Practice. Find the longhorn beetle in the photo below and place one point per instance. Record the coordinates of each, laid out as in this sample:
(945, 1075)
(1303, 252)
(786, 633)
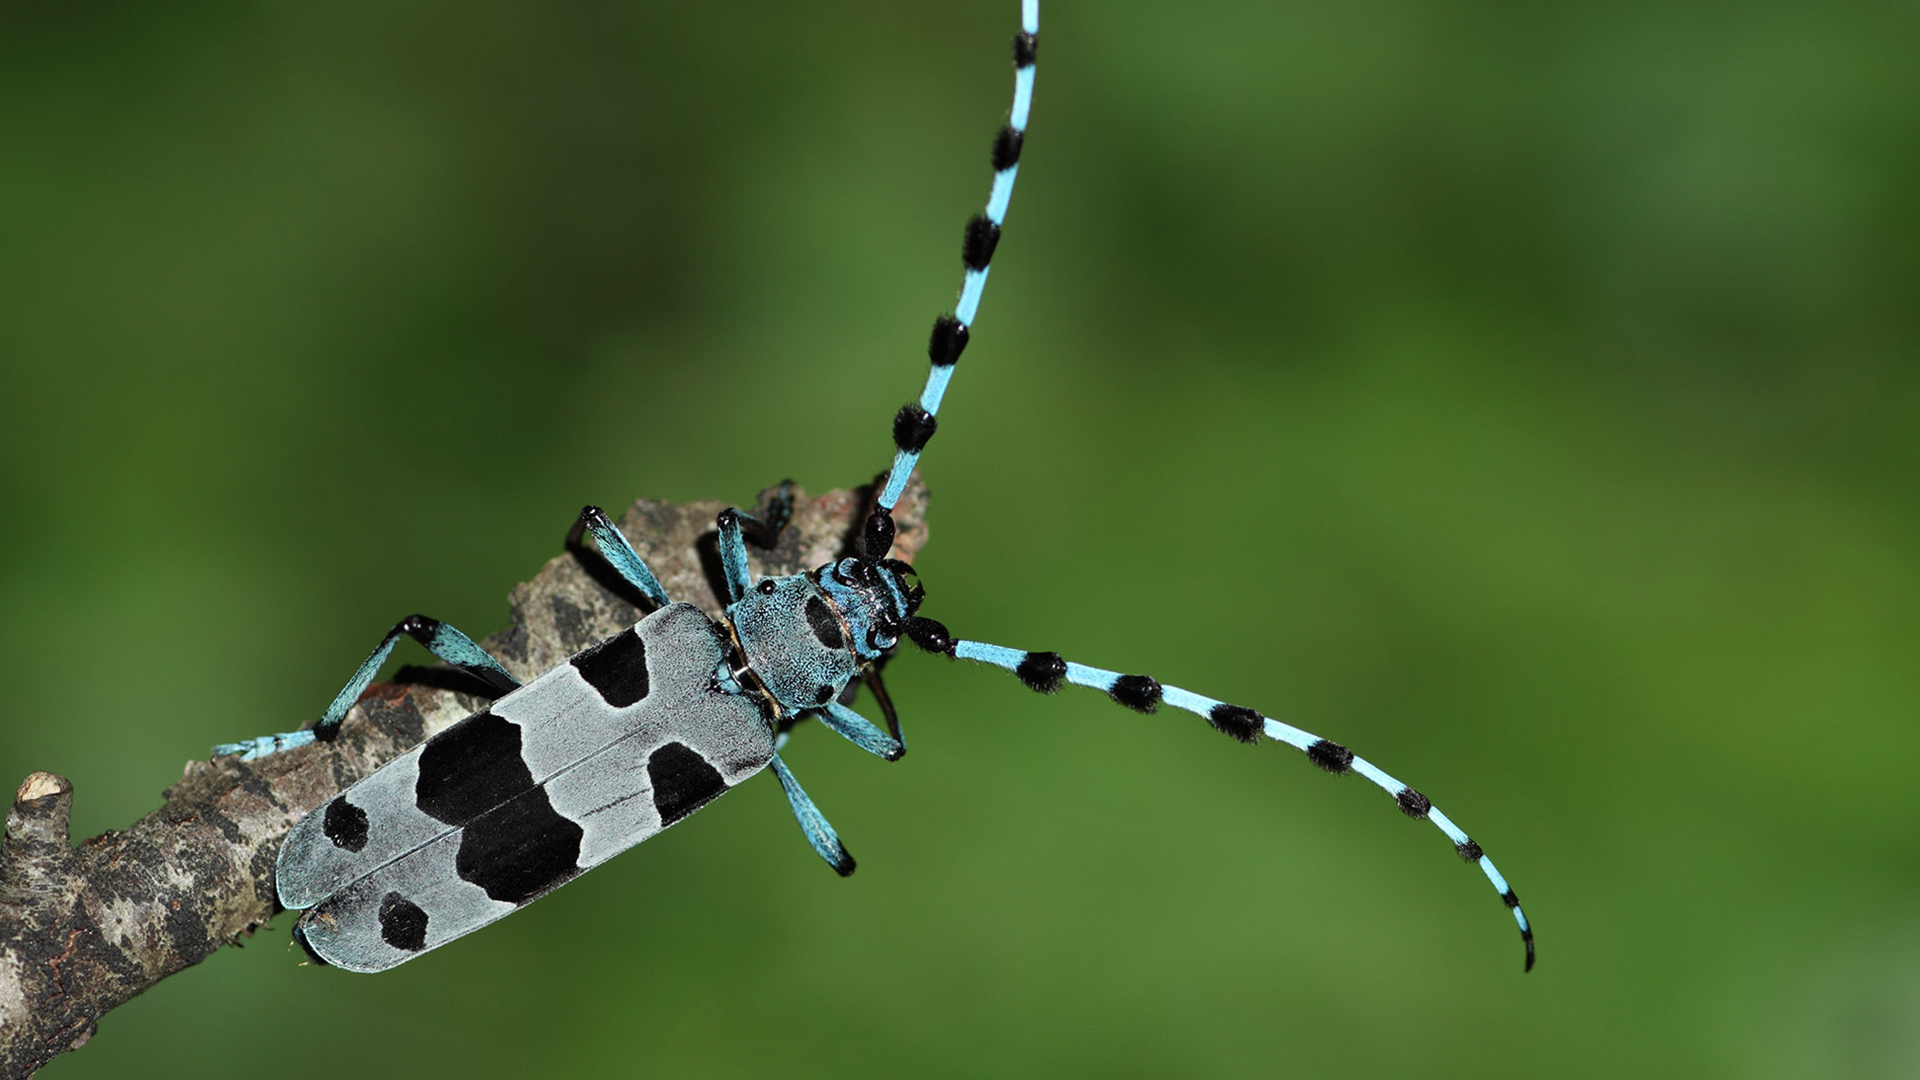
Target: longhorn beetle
(642, 729)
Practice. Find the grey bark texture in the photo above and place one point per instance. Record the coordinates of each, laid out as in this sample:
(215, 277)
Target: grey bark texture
(84, 929)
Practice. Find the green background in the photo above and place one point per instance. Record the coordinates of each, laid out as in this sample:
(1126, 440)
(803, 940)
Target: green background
(1523, 395)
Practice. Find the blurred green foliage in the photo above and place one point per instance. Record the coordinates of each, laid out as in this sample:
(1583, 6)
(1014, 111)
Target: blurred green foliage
(1521, 394)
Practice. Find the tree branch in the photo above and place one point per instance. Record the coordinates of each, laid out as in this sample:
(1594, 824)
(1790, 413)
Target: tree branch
(84, 929)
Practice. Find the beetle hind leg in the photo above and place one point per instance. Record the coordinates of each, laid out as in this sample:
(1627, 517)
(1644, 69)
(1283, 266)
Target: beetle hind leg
(440, 639)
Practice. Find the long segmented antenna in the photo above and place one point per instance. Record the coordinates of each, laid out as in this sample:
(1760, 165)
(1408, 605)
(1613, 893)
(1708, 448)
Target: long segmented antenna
(1045, 671)
(914, 424)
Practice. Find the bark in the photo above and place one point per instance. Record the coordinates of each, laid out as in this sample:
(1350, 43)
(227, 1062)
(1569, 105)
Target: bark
(84, 929)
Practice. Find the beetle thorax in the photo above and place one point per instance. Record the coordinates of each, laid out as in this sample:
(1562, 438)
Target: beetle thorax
(805, 636)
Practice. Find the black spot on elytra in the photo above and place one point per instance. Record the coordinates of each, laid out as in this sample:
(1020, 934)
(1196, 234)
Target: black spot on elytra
(403, 924)
(520, 849)
(912, 427)
(1330, 756)
(470, 768)
(1042, 671)
(1469, 850)
(976, 249)
(1412, 803)
(617, 668)
(682, 781)
(1137, 692)
(825, 626)
(948, 342)
(345, 825)
(1236, 722)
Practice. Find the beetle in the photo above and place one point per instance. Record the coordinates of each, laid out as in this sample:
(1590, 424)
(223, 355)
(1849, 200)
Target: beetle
(641, 730)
